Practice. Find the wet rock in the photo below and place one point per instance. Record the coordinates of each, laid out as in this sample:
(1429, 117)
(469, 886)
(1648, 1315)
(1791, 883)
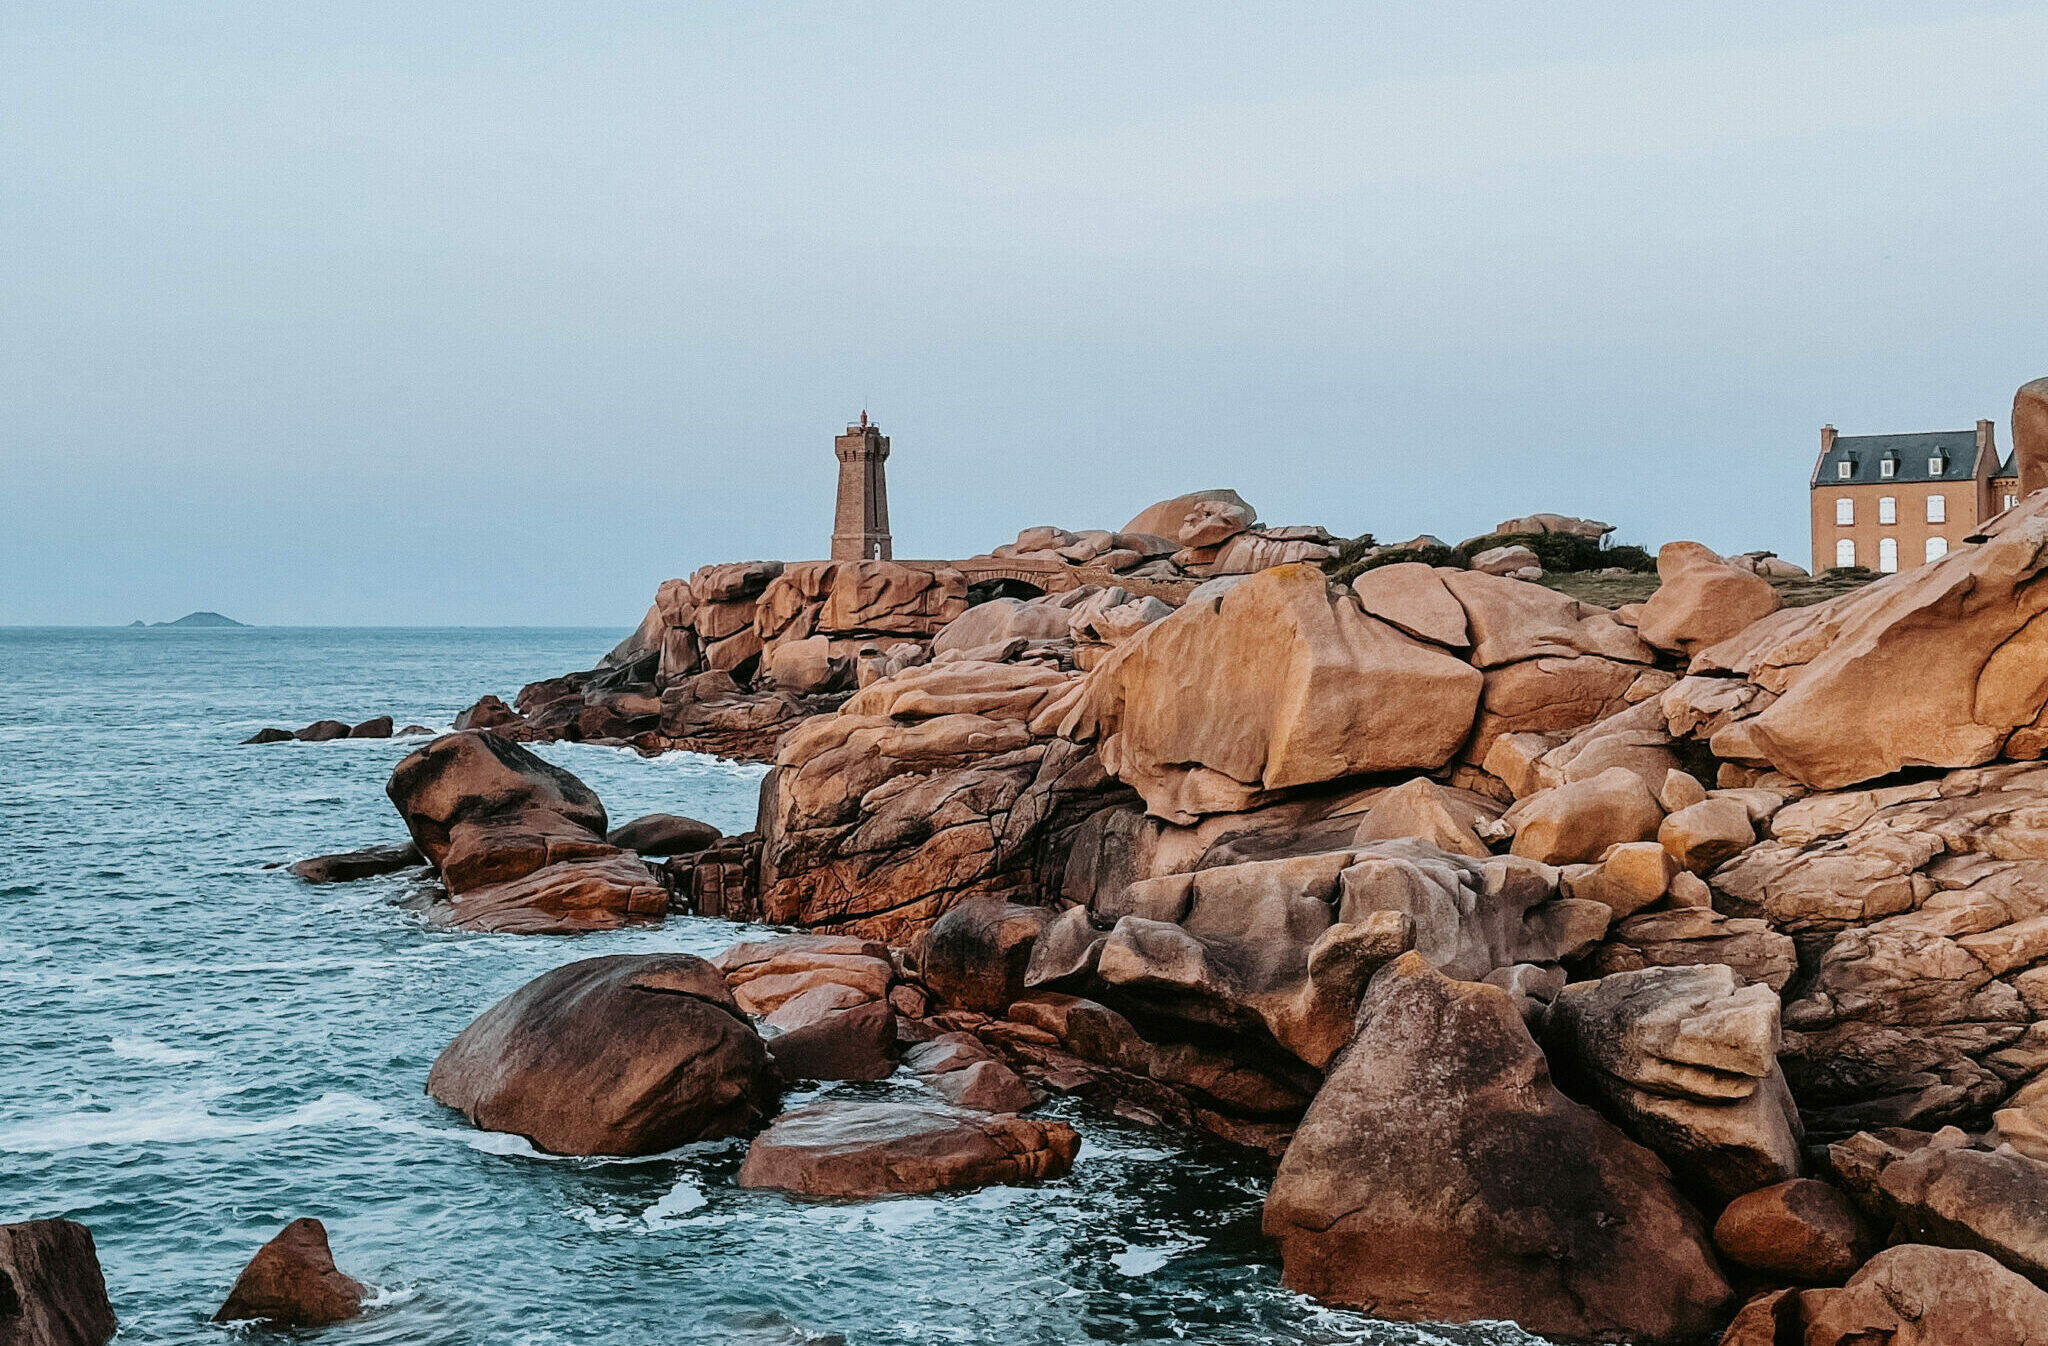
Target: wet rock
(413, 731)
(770, 974)
(52, 1292)
(629, 1054)
(1914, 1295)
(377, 727)
(347, 866)
(858, 1043)
(1801, 1229)
(1439, 1176)
(984, 1086)
(876, 1149)
(488, 713)
(1685, 1059)
(292, 1282)
(664, 834)
(269, 736)
(322, 731)
(974, 957)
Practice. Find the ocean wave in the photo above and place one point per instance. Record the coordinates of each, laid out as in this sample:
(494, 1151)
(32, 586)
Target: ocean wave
(172, 1121)
(156, 1053)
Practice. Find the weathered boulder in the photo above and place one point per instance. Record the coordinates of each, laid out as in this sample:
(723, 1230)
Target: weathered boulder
(1627, 878)
(809, 666)
(1517, 561)
(767, 975)
(628, 1054)
(1590, 529)
(1414, 598)
(1003, 619)
(292, 1282)
(488, 713)
(1164, 519)
(1685, 936)
(1439, 1176)
(1701, 600)
(271, 735)
(1994, 1202)
(1282, 682)
(1937, 666)
(876, 1149)
(1210, 522)
(1915, 1295)
(1250, 552)
(322, 731)
(379, 726)
(519, 843)
(348, 866)
(1801, 1229)
(1701, 836)
(1685, 1059)
(858, 598)
(52, 1292)
(664, 834)
(857, 1043)
(2030, 435)
(1511, 622)
(974, 956)
(1577, 823)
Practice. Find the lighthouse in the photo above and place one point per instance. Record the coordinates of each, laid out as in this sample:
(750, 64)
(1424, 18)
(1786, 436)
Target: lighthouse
(860, 524)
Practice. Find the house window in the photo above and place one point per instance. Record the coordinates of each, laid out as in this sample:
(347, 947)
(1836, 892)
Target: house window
(1937, 509)
(1887, 555)
(1845, 553)
(1844, 468)
(1888, 468)
(1887, 509)
(1936, 465)
(1845, 510)
(1937, 547)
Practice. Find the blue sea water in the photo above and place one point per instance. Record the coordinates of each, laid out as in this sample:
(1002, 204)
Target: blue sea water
(195, 1048)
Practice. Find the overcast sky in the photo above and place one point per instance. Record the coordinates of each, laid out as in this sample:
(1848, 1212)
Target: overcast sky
(502, 313)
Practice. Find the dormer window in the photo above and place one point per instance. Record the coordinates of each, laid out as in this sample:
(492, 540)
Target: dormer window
(1936, 465)
(1845, 469)
(1889, 467)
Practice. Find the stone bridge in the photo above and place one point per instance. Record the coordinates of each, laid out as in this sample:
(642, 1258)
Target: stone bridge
(1057, 577)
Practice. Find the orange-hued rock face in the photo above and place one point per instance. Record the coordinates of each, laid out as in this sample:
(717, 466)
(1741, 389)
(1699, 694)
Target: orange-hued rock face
(1701, 599)
(1945, 665)
(2030, 435)
(1440, 1176)
(1283, 681)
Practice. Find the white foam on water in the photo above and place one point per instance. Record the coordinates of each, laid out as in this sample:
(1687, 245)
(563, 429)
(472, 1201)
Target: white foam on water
(135, 1048)
(668, 1212)
(172, 1121)
(1142, 1259)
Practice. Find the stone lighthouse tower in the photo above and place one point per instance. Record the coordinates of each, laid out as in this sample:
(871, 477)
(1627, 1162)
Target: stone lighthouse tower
(860, 526)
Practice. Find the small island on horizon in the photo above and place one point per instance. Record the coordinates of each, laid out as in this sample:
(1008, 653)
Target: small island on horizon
(194, 619)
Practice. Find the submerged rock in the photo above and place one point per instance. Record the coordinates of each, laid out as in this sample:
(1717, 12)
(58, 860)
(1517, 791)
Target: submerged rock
(52, 1292)
(292, 1282)
(348, 866)
(628, 1054)
(1439, 1176)
(876, 1149)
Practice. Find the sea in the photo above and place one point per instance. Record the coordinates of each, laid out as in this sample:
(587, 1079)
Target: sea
(196, 1048)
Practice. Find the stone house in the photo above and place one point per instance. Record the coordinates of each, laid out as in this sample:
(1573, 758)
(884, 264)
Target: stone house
(1892, 502)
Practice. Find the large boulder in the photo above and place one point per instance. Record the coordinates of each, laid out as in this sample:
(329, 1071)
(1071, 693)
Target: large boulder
(876, 1149)
(1282, 682)
(519, 842)
(2030, 435)
(1994, 1202)
(1000, 620)
(664, 834)
(974, 956)
(1576, 823)
(1914, 1295)
(858, 598)
(1211, 522)
(1701, 600)
(627, 1054)
(1801, 1229)
(1941, 666)
(1685, 1059)
(292, 1282)
(52, 1292)
(1440, 1176)
(1165, 518)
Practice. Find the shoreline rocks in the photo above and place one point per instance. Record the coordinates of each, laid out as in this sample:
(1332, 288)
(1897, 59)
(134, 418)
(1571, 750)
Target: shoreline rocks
(52, 1292)
(292, 1282)
(845, 1150)
(628, 1054)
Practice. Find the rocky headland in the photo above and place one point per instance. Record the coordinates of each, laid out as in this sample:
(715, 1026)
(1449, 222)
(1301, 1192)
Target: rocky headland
(1644, 974)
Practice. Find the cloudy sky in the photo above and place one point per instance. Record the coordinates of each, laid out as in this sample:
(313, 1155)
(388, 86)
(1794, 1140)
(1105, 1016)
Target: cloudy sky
(501, 313)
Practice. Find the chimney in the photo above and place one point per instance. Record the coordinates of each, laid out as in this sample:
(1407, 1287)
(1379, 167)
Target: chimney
(1827, 439)
(1987, 442)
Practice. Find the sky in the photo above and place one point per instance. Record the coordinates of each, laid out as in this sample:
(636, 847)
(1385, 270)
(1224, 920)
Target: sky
(500, 314)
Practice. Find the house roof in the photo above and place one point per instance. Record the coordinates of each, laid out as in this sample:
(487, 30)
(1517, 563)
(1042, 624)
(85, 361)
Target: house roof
(1912, 453)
